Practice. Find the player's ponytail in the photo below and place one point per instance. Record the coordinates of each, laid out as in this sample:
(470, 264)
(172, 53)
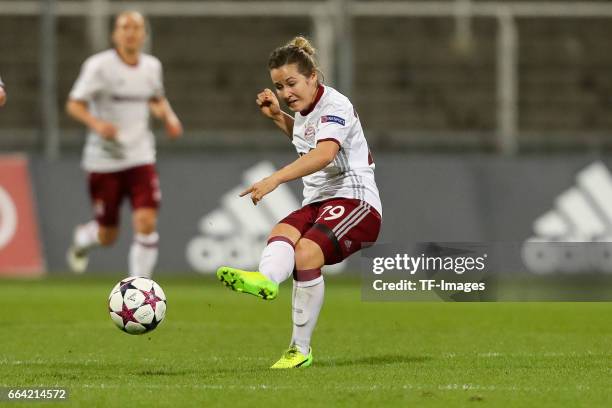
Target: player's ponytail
(297, 51)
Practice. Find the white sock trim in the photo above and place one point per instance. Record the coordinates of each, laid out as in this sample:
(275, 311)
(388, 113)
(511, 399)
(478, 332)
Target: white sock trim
(151, 239)
(307, 284)
(282, 243)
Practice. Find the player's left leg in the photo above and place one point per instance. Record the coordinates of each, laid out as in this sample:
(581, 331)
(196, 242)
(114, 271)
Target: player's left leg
(143, 186)
(143, 251)
(307, 300)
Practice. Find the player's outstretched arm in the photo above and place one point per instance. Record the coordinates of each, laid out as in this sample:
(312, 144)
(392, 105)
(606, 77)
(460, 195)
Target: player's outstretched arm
(79, 111)
(2, 96)
(269, 106)
(309, 163)
(162, 110)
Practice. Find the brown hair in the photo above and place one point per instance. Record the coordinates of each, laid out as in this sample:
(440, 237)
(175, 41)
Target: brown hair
(297, 51)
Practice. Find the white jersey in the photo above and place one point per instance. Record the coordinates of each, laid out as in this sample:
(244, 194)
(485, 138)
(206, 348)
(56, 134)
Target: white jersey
(351, 173)
(119, 93)
(1, 83)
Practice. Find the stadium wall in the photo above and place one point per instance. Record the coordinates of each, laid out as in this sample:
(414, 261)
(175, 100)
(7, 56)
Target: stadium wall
(203, 222)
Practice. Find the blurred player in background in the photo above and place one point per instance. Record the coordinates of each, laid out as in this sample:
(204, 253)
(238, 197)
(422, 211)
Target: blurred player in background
(113, 96)
(2, 93)
(342, 209)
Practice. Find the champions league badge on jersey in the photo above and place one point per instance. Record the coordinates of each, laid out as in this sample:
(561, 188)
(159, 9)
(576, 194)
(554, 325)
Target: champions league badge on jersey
(332, 118)
(309, 133)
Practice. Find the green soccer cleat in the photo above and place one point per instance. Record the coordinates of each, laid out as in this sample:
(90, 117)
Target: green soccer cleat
(292, 358)
(248, 282)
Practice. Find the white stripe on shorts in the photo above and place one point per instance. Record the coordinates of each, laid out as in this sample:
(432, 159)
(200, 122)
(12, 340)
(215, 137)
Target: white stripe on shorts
(347, 228)
(350, 216)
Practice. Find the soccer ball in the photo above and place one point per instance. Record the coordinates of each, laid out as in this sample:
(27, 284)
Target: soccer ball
(137, 305)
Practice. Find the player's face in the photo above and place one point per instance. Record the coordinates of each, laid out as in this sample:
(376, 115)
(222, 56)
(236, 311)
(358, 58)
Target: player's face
(298, 91)
(129, 33)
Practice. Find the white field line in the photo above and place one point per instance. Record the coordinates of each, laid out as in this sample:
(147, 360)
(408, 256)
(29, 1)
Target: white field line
(337, 387)
(347, 387)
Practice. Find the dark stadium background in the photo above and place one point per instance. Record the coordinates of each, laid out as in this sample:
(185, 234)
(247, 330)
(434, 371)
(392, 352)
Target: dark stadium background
(479, 115)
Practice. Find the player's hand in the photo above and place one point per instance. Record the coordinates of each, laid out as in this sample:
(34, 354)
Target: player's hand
(106, 130)
(2, 96)
(260, 189)
(174, 128)
(268, 104)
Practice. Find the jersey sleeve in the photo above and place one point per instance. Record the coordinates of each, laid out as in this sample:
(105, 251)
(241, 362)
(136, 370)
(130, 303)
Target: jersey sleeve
(89, 82)
(334, 125)
(1, 83)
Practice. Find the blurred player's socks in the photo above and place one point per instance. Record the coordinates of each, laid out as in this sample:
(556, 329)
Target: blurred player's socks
(86, 236)
(143, 254)
(277, 259)
(307, 301)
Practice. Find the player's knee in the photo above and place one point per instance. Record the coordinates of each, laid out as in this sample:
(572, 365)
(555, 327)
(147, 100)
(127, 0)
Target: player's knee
(146, 227)
(308, 255)
(285, 230)
(145, 222)
(107, 236)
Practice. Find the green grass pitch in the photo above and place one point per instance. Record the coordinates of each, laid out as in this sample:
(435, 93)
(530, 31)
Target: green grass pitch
(215, 347)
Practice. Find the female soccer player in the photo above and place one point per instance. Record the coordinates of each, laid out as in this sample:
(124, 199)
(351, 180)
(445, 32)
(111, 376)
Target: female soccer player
(113, 96)
(341, 208)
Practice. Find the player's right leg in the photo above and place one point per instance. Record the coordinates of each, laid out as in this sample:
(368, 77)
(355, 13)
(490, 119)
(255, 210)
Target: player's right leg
(105, 193)
(253, 283)
(276, 265)
(85, 238)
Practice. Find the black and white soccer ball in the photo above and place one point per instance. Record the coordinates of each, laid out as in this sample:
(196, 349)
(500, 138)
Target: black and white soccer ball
(137, 305)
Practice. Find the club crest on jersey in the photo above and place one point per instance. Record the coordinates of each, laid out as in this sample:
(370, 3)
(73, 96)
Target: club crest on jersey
(309, 133)
(332, 118)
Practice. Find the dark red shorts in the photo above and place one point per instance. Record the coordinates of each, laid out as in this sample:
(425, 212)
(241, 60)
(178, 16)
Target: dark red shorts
(340, 226)
(107, 191)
